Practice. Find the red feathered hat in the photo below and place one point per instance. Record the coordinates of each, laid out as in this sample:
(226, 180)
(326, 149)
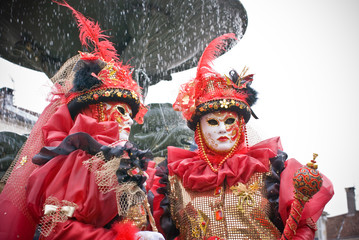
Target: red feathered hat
(99, 76)
(210, 91)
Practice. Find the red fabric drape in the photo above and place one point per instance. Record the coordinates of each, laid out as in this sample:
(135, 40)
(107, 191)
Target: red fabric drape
(197, 175)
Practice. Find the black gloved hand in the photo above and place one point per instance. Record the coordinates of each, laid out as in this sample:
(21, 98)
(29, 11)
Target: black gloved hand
(110, 152)
(131, 168)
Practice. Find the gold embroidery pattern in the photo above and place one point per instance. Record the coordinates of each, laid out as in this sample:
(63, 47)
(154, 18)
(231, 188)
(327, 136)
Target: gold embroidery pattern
(199, 224)
(22, 162)
(245, 195)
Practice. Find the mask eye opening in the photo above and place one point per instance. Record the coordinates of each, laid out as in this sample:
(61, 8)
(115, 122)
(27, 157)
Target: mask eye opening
(212, 122)
(230, 121)
(121, 110)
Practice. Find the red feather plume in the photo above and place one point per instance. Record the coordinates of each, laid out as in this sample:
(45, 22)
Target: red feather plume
(91, 33)
(211, 52)
(205, 71)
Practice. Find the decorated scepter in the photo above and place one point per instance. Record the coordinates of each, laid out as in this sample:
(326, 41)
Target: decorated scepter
(307, 182)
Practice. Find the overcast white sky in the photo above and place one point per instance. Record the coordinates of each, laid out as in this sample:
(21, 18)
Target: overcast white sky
(305, 57)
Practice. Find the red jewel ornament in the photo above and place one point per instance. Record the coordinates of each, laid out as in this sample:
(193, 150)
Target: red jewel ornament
(135, 171)
(214, 238)
(143, 211)
(95, 96)
(218, 190)
(219, 215)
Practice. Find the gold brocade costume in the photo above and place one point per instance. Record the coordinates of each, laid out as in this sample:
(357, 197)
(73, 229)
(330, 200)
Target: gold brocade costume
(237, 212)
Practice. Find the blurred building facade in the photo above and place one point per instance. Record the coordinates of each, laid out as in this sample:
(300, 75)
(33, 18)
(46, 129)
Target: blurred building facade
(12, 118)
(345, 226)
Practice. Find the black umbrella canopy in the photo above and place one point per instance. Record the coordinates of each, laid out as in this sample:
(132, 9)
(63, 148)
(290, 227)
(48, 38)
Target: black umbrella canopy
(155, 37)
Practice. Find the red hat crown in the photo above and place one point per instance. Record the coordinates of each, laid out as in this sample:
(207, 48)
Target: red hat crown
(210, 91)
(100, 75)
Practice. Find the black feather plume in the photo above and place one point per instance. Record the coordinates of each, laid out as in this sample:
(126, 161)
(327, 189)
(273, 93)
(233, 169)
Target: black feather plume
(252, 96)
(84, 80)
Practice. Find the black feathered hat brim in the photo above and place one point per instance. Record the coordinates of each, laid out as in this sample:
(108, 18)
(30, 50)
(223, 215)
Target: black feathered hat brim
(104, 95)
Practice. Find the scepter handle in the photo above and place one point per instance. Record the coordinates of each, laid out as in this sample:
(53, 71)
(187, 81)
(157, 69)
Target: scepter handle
(307, 182)
(293, 219)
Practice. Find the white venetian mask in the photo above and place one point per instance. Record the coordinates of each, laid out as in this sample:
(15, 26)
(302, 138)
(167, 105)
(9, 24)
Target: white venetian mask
(220, 130)
(121, 113)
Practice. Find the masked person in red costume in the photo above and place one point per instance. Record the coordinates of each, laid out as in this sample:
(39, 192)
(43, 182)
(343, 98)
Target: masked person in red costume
(226, 189)
(77, 176)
